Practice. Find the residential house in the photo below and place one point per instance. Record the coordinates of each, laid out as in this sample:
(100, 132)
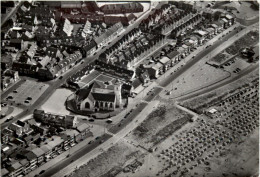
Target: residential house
(4, 171)
(130, 7)
(32, 158)
(166, 62)
(127, 90)
(155, 70)
(111, 33)
(26, 166)
(25, 126)
(47, 152)
(137, 86)
(174, 56)
(74, 136)
(39, 154)
(20, 143)
(84, 131)
(90, 48)
(18, 130)
(6, 135)
(15, 169)
(56, 144)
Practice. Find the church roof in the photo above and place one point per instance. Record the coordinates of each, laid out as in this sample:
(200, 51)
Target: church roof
(104, 97)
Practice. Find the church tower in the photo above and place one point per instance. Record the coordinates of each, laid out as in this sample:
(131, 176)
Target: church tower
(117, 90)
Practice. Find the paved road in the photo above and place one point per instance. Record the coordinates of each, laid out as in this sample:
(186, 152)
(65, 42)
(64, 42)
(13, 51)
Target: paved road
(129, 118)
(13, 11)
(150, 96)
(74, 157)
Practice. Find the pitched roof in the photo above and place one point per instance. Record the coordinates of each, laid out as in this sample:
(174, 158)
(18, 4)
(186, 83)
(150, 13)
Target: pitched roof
(30, 156)
(164, 60)
(104, 97)
(136, 83)
(82, 127)
(56, 141)
(45, 148)
(38, 152)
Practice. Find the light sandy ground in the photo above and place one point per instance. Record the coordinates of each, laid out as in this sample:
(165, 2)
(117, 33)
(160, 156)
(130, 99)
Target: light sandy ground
(239, 63)
(56, 103)
(115, 156)
(154, 124)
(234, 85)
(198, 77)
(245, 11)
(241, 160)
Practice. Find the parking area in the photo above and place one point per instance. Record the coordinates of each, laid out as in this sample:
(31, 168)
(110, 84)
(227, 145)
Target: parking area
(27, 93)
(236, 65)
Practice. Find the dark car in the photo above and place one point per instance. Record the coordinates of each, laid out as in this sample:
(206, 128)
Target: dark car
(3, 104)
(8, 119)
(91, 120)
(41, 172)
(109, 121)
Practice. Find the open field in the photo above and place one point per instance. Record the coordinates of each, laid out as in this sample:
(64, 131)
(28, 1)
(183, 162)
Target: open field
(54, 106)
(198, 77)
(161, 123)
(27, 93)
(114, 158)
(245, 10)
(199, 102)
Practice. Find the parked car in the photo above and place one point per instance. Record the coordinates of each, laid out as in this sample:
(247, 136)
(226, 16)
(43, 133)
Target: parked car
(109, 121)
(41, 172)
(3, 104)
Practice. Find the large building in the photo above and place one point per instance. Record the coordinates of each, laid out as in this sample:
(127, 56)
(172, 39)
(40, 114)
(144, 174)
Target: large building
(132, 7)
(99, 96)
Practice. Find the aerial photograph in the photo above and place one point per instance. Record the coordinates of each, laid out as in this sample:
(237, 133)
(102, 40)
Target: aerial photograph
(129, 88)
